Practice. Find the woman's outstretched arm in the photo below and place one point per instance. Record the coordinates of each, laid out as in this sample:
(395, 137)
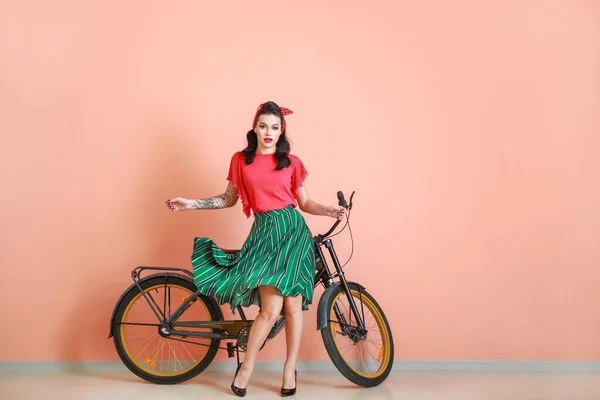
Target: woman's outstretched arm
(225, 200)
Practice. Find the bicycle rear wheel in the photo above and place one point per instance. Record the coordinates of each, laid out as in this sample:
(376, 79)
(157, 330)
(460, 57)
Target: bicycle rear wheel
(363, 357)
(152, 357)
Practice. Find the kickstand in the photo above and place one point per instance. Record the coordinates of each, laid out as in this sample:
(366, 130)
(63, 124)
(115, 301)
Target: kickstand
(230, 349)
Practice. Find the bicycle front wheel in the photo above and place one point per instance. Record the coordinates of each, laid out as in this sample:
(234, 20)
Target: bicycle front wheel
(155, 358)
(363, 356)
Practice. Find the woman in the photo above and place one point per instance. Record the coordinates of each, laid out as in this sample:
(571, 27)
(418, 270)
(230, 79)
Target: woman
(275, 267)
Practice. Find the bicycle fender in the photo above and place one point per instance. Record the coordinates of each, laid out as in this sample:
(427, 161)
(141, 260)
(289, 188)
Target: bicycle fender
(322, 311)
(134, 287)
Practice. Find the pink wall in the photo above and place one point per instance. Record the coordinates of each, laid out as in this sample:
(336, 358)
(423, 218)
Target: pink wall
(469, 131)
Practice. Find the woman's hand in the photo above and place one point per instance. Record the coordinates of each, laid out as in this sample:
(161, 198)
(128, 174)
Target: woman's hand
(180, 204)
(335, 211)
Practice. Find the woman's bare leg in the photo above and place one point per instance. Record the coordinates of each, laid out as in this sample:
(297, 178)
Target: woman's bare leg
(292, 307)
(271, 302)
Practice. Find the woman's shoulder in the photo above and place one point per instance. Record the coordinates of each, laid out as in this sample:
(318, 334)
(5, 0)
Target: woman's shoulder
(237, 155)
(236, 159)
(294, 158)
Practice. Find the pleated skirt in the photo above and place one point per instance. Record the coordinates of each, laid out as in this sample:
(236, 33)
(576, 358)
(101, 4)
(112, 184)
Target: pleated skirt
(278, 252)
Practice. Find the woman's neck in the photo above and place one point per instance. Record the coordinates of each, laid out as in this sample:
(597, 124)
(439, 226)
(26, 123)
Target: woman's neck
(264, 151)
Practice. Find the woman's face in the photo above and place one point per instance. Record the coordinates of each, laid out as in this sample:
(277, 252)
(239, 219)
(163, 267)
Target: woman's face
(268, 130)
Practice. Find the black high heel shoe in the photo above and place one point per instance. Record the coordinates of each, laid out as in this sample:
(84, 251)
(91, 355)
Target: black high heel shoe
(238, 391)
(290, 392)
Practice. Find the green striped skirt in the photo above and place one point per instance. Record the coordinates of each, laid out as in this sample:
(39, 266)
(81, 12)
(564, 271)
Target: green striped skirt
(278, 252)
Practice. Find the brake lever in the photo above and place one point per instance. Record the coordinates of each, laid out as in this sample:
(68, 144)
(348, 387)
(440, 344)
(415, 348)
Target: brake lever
(350, 205)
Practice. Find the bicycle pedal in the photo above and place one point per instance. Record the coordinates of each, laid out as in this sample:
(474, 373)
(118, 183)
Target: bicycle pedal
(230, 350)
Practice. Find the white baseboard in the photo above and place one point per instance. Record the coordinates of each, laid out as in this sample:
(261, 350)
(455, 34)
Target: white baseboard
(229, 365)
(498, 365)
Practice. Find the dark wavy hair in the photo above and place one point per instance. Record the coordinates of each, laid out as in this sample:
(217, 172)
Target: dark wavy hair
(282, 145)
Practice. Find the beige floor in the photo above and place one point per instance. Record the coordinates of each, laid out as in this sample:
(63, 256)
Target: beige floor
(311, 385)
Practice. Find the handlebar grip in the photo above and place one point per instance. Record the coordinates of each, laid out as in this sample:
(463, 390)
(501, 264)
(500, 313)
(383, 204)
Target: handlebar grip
(342, 200)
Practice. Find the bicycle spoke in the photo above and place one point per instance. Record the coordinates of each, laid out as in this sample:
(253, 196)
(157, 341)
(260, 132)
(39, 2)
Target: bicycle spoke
(140, 353)
(360, 358)
(368, 351)
(158, 348)
(144, 342)
(148, 341)
(162, 353)
(190, 354)
(348, 345)
(174, 355)
(345, 352)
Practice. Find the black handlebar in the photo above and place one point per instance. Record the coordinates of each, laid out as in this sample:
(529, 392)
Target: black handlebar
(342, 203)
(342, 200)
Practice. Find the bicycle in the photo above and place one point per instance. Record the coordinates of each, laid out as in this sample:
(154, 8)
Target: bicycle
(360, 345)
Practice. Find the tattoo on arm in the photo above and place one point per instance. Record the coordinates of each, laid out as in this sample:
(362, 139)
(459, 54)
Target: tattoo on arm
(227, 199)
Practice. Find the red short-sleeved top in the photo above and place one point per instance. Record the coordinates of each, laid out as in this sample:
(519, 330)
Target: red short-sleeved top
(263, 188)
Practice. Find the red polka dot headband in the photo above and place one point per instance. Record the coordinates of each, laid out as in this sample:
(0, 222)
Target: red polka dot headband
(284, 112)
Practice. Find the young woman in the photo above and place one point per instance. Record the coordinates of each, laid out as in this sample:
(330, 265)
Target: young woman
(275, 267)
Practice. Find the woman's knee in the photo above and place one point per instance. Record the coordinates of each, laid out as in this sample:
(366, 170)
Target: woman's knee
(270, 314)
(271, 303)
(292, 307)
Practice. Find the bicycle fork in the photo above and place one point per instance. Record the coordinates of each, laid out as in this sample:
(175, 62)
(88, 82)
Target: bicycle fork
(343, 283)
